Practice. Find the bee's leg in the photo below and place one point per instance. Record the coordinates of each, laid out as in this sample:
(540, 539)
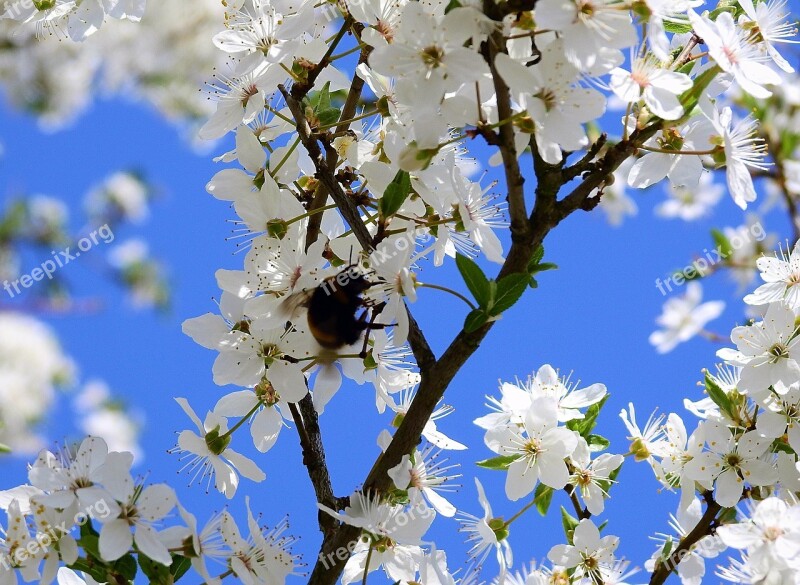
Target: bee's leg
(376, 310)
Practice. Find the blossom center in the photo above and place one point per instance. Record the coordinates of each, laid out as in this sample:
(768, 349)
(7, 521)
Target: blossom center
(266, 393)
(129, 513)
(266, 44)
(385, 29)
(248, 92)
(778, 351)
(432, 56)
(671, 140)
(586, 10)
(773, 533)
(730, 54)
(590, 563)
(640, 78)
(82, 482)
(733, 460)
(532, 448)
(584, 477)
(269, 351)
(548, 98)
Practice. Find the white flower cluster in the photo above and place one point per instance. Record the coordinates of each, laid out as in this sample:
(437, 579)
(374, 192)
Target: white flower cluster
(163, 59)
(310, 160)
(32, 366)
(78, 19)
(349, 180)
(746, 443)
(83, 508)
(536, 450)
(102, 415)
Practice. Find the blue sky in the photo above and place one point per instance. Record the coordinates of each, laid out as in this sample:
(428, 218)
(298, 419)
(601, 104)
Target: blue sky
(592, 316)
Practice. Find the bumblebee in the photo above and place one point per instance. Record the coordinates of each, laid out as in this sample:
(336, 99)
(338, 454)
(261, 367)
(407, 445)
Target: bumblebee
(332, 307)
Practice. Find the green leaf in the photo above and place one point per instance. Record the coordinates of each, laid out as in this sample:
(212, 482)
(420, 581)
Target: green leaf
(4, 448)
(691, 96)
(475, 320)
(730, 6)
(569, 523)
(475, 279)
(98, 571)
(727, 516)
(666, 550)
(788, 144)
(179, 567)
(126, 566)
(452, 6)
(597, 443)
(535, 265)
(156, 572)
(677, 27)
(501, 462)
(543, 497)
(321, 100)
(328, 116)
(13, 220)
(538, 254)
(583, 426)
(395, 195)
(542, 267)
(719, 396)
(509, 291)
(321, 103)
(90, 541)
(687, 67)
(722, 242)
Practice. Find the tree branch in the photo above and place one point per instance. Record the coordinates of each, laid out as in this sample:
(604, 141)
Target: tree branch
(307, 422)
(780, 178)
(582, 512)
(356, 85)
(528, 232)
(515, 182)
(585, 164)
(301, 89)
(579, 198)
(547, 213)
(304, 414)
(703, 528)
(325, 174)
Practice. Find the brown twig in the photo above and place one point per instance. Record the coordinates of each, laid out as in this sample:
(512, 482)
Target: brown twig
(324, 173)
(704, 527)
(780, 179)
(304, 413)
(572, 492)
(301, 89)
(437, 375)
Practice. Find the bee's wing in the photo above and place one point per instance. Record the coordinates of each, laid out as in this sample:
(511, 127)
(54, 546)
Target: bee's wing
(291, 305)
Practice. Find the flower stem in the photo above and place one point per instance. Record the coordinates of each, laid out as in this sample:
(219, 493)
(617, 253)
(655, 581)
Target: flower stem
(241, 421)
(668, 151)
(289, 152)
(524, 509)
(448, 290)
(310, 213)
(354, 119)
(366, 564)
